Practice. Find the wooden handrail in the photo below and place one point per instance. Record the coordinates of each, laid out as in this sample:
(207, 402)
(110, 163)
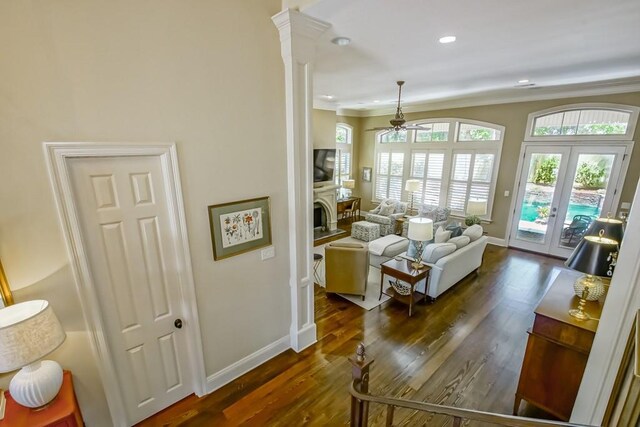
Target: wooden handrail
(360, 399)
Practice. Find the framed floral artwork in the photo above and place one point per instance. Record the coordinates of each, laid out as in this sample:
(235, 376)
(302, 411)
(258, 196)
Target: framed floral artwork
(239, 227)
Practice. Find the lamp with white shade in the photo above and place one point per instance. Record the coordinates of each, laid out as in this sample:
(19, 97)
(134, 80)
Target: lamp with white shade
(28, 332)
(348, 184)
(475, 209)
(411, 186)
(420, 230)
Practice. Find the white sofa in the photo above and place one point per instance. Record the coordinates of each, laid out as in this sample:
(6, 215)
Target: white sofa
(448, 270)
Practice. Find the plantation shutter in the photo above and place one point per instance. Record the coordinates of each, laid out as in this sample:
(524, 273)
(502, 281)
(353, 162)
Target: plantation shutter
(389, 176)
(395, 178)
(428, 167)
(382, 175)
(459, 184)
(471, 178)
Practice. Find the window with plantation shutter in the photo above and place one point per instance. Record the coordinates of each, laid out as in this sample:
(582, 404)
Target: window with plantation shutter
(389, 176)
(471, 178)
(452, 159)
(343, 152)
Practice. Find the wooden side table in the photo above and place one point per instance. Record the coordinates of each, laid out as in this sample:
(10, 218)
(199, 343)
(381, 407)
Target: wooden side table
(402, 270)
(557, 350)
(63, 411)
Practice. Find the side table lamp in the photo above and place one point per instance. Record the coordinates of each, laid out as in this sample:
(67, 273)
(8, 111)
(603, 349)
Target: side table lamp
(348, 185)
(28, 332)
(475, 209)
(592, 256)
(411, 186)
(420, 230)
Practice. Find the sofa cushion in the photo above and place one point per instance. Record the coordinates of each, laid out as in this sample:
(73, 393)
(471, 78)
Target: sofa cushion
(474, 232)
(460, 241)
(435, 251)
(442, 235)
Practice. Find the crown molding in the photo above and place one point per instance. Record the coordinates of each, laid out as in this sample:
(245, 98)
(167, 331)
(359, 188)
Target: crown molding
(505, 97)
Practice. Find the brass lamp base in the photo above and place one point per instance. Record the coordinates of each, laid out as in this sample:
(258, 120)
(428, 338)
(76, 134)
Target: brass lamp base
(417, 265)
(579, 312)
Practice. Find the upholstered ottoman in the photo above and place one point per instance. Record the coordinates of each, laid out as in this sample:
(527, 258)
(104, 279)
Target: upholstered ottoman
(365, 231)
(385, 248)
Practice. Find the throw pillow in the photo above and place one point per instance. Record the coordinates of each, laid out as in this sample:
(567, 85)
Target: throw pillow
(386, 210)
(456, 230)
(474, 232)
(434, 252)
(460, 241)
(442, 235)
(412, 249)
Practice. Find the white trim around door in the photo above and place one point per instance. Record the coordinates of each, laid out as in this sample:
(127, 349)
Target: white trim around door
(57, 155)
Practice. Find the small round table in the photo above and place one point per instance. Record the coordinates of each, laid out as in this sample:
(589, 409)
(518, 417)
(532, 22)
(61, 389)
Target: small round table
(317, 260)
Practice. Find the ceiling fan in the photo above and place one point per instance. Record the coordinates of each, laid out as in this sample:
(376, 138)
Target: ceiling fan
(397, 123)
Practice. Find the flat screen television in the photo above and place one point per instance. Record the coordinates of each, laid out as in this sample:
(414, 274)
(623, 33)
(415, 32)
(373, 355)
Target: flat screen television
(324, 162)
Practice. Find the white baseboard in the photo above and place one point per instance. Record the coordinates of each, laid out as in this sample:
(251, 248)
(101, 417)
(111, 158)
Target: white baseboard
(244, 365)
(303, 338)
(497, 242)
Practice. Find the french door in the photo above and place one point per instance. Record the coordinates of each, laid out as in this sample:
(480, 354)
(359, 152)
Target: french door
(562, 190)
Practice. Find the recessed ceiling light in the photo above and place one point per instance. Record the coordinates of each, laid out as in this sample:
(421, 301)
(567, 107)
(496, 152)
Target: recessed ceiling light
(329, 96)
(376, 100)
(341, 41)
(523, 81)
(447, 39)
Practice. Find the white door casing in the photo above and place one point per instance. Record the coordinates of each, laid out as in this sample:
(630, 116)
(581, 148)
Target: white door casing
(122, 213)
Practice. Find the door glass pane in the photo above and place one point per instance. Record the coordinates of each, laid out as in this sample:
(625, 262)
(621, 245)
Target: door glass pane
(588, 192)
(536, 204)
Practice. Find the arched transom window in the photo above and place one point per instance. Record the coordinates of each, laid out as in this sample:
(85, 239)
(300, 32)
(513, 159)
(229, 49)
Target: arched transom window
(583, 122)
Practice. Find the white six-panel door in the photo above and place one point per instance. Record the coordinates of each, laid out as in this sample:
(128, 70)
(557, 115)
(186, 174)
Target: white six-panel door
(128, 239)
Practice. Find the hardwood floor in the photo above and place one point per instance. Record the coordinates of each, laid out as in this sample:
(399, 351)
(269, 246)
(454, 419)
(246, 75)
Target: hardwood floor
(464, 350)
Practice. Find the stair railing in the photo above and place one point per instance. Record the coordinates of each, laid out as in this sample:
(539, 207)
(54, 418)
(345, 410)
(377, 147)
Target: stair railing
(360, 400)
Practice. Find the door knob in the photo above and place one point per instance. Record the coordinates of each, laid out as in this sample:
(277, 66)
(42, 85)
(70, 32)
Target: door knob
(178, 323)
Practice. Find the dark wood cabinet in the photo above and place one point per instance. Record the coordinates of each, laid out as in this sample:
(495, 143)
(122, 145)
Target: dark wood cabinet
(557, 350)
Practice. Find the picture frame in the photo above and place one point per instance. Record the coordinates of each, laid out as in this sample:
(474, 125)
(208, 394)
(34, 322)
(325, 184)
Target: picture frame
(240, 227)
(6, 298)
(366, 174)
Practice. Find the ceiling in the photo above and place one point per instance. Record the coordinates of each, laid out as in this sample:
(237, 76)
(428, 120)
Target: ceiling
(563, 47)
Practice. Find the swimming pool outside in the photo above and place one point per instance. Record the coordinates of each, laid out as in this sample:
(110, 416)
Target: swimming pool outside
(530, 211)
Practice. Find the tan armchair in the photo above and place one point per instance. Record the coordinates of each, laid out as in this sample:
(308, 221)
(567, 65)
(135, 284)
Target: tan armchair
(346, 268)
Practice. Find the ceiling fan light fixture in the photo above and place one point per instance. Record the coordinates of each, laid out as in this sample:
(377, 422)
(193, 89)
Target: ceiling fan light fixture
(447, 39)
(341, 41)
(523, 81)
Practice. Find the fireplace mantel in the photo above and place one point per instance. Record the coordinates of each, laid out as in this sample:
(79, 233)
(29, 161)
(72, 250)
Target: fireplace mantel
(326, 196)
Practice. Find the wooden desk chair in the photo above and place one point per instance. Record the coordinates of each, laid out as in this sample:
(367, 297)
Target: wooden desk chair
(350, 212)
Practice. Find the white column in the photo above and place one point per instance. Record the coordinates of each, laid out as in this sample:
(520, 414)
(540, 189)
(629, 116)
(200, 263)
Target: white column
(298, 36)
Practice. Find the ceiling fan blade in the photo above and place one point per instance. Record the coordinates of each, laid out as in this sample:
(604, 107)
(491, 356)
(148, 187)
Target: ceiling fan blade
(378, 129)
(415, 127)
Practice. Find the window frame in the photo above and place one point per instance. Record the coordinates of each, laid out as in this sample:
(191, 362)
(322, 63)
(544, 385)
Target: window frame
(344, 147)
(628, 136)
(449, 147)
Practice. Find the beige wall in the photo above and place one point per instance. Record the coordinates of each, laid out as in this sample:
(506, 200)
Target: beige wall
(324, 128)
(514, 117)
(207, 75)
